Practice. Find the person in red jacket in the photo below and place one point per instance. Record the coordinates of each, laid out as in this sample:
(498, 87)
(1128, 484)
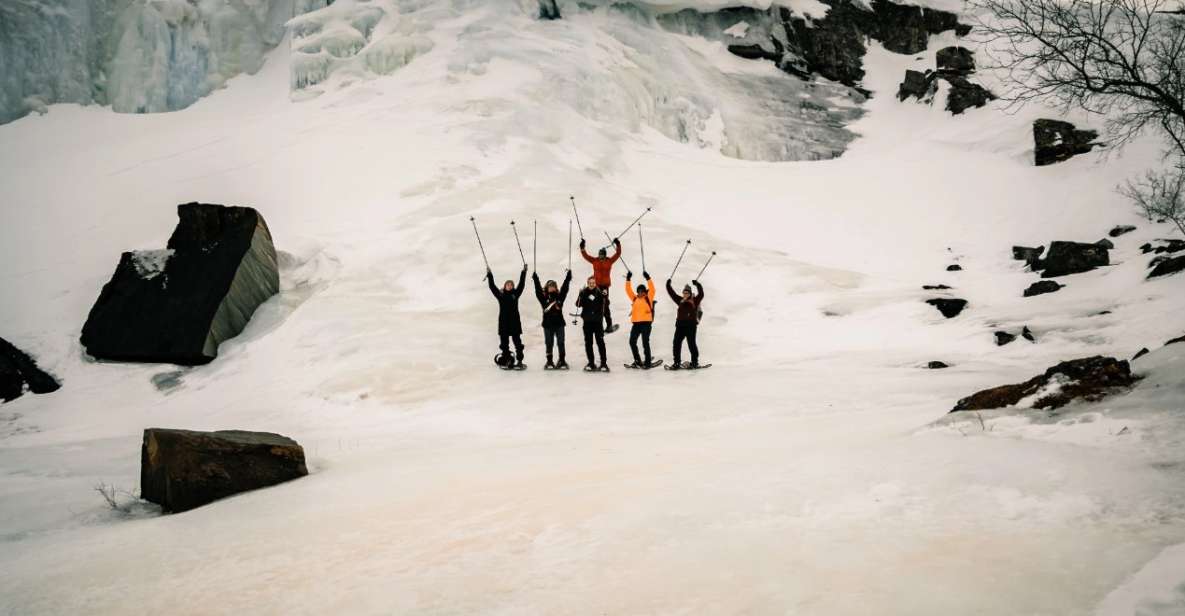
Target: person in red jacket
(602, 274)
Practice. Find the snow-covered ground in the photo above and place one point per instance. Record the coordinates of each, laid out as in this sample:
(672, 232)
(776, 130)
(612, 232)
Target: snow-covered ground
(812, 470)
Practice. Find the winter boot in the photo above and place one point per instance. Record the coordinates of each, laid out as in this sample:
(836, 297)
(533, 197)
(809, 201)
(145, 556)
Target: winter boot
(549, 365)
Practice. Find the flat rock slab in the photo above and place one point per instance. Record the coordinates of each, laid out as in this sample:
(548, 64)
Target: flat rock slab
(1056, 141)
(1089, 378)
(184, 469)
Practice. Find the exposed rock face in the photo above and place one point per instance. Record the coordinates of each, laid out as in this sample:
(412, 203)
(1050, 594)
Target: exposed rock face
(1042, 287)
(1121, 230)
(1057, 141)
(18, 370)
(182, 469)
(1073, 258)
(1090, 378)
(950, 308)
(1031, 256)
(958, 60)
(965, 95)
(1167, 266)
(1142, 352)
(1163, 247)
(178, 305)
(916, 84)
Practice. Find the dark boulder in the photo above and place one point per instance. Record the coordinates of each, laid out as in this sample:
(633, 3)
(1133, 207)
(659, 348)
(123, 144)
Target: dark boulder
(916, 84)
(1163, 247)
(183, 469)
(965, 95)
(1067, 258)
(178, 305)
(937, 365)
(954, 268)
(1121, 230)
(1003, 338)
(1042, 287)
(18, 371)
(1031, 256)
(950, 308)
(1090, 378)
(754, 52)
(1167, 266)
(957, 60)
(1056, 141)
(906, 29)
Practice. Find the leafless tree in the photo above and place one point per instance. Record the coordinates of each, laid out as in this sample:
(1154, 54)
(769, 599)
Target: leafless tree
(1123, 59)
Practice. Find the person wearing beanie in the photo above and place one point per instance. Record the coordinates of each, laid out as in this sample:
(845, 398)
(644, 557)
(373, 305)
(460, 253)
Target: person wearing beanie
(591, 302)
(642, 317)
(686, 322)
(602, 273)
(551, 297)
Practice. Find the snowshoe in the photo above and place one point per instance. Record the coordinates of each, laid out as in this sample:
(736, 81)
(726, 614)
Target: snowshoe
(613, 328)
(697, 366)
(604, 368)
(549, 365)
(562, 366)
(674, 366)
(591, 368)
(636, 366)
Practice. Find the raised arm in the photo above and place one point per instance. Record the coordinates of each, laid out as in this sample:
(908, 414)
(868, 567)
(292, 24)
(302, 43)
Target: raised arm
(522, 283)
(616, 251)
(493, 287)
(671, 291)
(699, 288)
(629, 289)
(564, 287)
(650, 289)
(538, 289)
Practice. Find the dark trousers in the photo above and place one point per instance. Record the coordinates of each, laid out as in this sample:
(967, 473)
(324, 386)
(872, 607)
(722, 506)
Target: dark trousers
(518, 345)
(685, 330)
(554, 336)
(608, 311)
(594, 331)
(640, 330)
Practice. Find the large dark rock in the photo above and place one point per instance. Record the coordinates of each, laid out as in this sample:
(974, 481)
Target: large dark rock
(1090, 378)
(1167, 266)
(950, 308)
(1031, 256)
(1067, 258)
(183, 469)
(1056, 141)
(1163, 246)
(957, 60)
(178, 305)
(916, 84)
(1042, 287)
(18, 371)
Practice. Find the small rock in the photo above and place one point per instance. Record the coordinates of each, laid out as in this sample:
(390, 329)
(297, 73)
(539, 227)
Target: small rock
(958, 60)
(1121, 230)
(1089, 378)
(954, 268)
(937, 365)
(1105, 243)
(935, 287)
(183, 469)
(1003, 338)
(950, 308)
(1142, 352)
(1042, 287)
(1067, 258)
(1027, 334)
(1166, 266)
(1056, 141)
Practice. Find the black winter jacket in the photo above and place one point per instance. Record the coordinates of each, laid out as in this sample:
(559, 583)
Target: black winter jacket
(552, 303)
(591, 303)
(688, 309)
(509, 323)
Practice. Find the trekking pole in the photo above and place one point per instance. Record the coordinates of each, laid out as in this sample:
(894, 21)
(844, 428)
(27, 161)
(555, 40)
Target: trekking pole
(634, 223)
(535, 248)
(479, 244)
(622, 257)
(642, 247)
(701, 272)
(577, 212)
(672, 276)
(520, 244)
(569, 244)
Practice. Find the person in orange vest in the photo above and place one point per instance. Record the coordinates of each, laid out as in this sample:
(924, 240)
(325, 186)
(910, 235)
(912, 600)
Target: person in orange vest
(602, 273)
(642, 317)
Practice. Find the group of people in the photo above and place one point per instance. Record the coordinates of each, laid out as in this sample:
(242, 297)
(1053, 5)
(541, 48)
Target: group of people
(593, 302)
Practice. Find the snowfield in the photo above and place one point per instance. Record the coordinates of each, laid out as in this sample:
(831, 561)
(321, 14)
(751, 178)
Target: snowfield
(812, 470)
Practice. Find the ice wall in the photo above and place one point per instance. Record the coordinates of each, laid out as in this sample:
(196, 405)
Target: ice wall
(138, 56)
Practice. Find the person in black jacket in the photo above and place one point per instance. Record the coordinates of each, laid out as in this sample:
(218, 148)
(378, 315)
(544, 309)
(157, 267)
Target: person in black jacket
(686, 321)
(591, 302)
(510, 326)
(551, 297)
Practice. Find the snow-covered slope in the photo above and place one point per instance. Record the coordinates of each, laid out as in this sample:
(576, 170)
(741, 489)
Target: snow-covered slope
(811, 470)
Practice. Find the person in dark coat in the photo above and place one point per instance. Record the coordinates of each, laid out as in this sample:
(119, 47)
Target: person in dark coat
(686, 321)
(591, 302)
(510, 326)
(551, 298)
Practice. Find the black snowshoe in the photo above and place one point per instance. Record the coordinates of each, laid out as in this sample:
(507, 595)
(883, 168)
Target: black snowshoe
(637, 366)
(687, 366)
(509, 362)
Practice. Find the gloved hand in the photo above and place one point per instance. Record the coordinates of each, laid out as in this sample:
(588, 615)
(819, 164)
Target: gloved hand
(524, 267)
(629, 275)
(616, 242)
(489, 274)
(582, 243)
(646, 275)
